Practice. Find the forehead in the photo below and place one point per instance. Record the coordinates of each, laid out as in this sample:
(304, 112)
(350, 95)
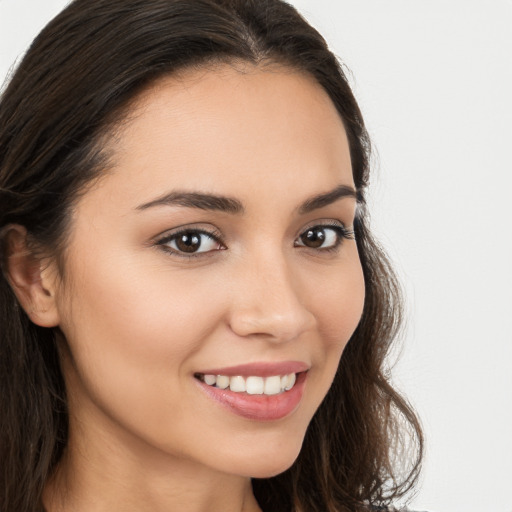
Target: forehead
(226, 129)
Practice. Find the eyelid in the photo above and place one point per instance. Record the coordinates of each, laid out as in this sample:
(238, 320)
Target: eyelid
(211, 231)
(170, 235)
(342, 233)
(328, 223)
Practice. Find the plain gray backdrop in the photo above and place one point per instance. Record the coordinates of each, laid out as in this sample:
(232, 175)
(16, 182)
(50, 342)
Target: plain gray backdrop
(434, 81)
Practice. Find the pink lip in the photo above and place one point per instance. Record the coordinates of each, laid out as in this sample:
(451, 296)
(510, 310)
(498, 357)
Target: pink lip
(259, 407)
(259, 369)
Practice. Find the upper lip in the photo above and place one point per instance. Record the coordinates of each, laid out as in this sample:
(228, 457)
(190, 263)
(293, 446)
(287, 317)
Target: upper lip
(261, 369)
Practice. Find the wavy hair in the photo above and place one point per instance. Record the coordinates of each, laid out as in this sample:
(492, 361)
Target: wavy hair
(71, 88)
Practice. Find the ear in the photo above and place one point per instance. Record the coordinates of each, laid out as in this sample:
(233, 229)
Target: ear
(32, 279)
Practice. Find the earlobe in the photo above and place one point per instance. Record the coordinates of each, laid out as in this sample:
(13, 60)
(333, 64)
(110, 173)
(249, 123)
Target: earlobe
(30, 278)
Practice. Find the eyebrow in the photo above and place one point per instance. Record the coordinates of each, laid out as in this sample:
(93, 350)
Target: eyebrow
(197, 200)
(204, 201)
(322, 200)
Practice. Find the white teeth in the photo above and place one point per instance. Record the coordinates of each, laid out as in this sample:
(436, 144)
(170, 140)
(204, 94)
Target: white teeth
(222, 381)
(255, 385)
(252, 385)
(237, 384)
(210, 379)
(291, 382)
(272, 385)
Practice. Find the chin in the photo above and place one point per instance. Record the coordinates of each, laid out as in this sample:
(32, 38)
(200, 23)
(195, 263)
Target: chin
(270, 462)
(272, 469)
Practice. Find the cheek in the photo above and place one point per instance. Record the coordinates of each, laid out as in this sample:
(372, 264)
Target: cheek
(133, 305)
(131, 328)
(133, 331)
(339, 303)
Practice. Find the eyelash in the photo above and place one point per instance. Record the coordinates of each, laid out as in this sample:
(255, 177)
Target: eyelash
(341, 233)
(214, 236)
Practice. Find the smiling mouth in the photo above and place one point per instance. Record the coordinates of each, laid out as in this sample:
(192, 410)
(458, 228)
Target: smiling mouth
(251, 385)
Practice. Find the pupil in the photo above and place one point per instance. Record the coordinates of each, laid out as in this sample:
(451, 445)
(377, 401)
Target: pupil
(188, 242)
(313, 237)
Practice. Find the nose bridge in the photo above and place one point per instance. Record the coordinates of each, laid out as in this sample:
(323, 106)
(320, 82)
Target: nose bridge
(269, 302)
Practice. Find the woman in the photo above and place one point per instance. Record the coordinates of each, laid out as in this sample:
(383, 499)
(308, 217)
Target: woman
(194, 314)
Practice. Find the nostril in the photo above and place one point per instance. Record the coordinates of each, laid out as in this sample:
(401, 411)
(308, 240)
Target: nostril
(271, 324)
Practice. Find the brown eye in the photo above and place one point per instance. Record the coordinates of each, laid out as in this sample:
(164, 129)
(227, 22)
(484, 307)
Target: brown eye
(188, 242)
(191, 242)
(314, 237)
(324, 236)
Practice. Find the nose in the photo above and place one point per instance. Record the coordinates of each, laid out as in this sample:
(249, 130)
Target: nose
(270, 301)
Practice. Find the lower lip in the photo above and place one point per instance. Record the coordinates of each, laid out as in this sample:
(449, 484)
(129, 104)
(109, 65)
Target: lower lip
(259, 407)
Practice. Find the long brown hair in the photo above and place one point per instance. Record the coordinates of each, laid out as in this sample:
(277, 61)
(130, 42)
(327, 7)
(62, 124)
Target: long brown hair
(69, 91)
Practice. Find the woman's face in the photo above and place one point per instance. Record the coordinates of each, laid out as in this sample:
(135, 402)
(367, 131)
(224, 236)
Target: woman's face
(217, 252)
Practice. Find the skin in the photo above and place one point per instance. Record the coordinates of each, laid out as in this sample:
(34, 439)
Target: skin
(138, 320)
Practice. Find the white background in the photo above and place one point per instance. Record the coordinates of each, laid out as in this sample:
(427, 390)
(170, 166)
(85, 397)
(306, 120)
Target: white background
(434, 80)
